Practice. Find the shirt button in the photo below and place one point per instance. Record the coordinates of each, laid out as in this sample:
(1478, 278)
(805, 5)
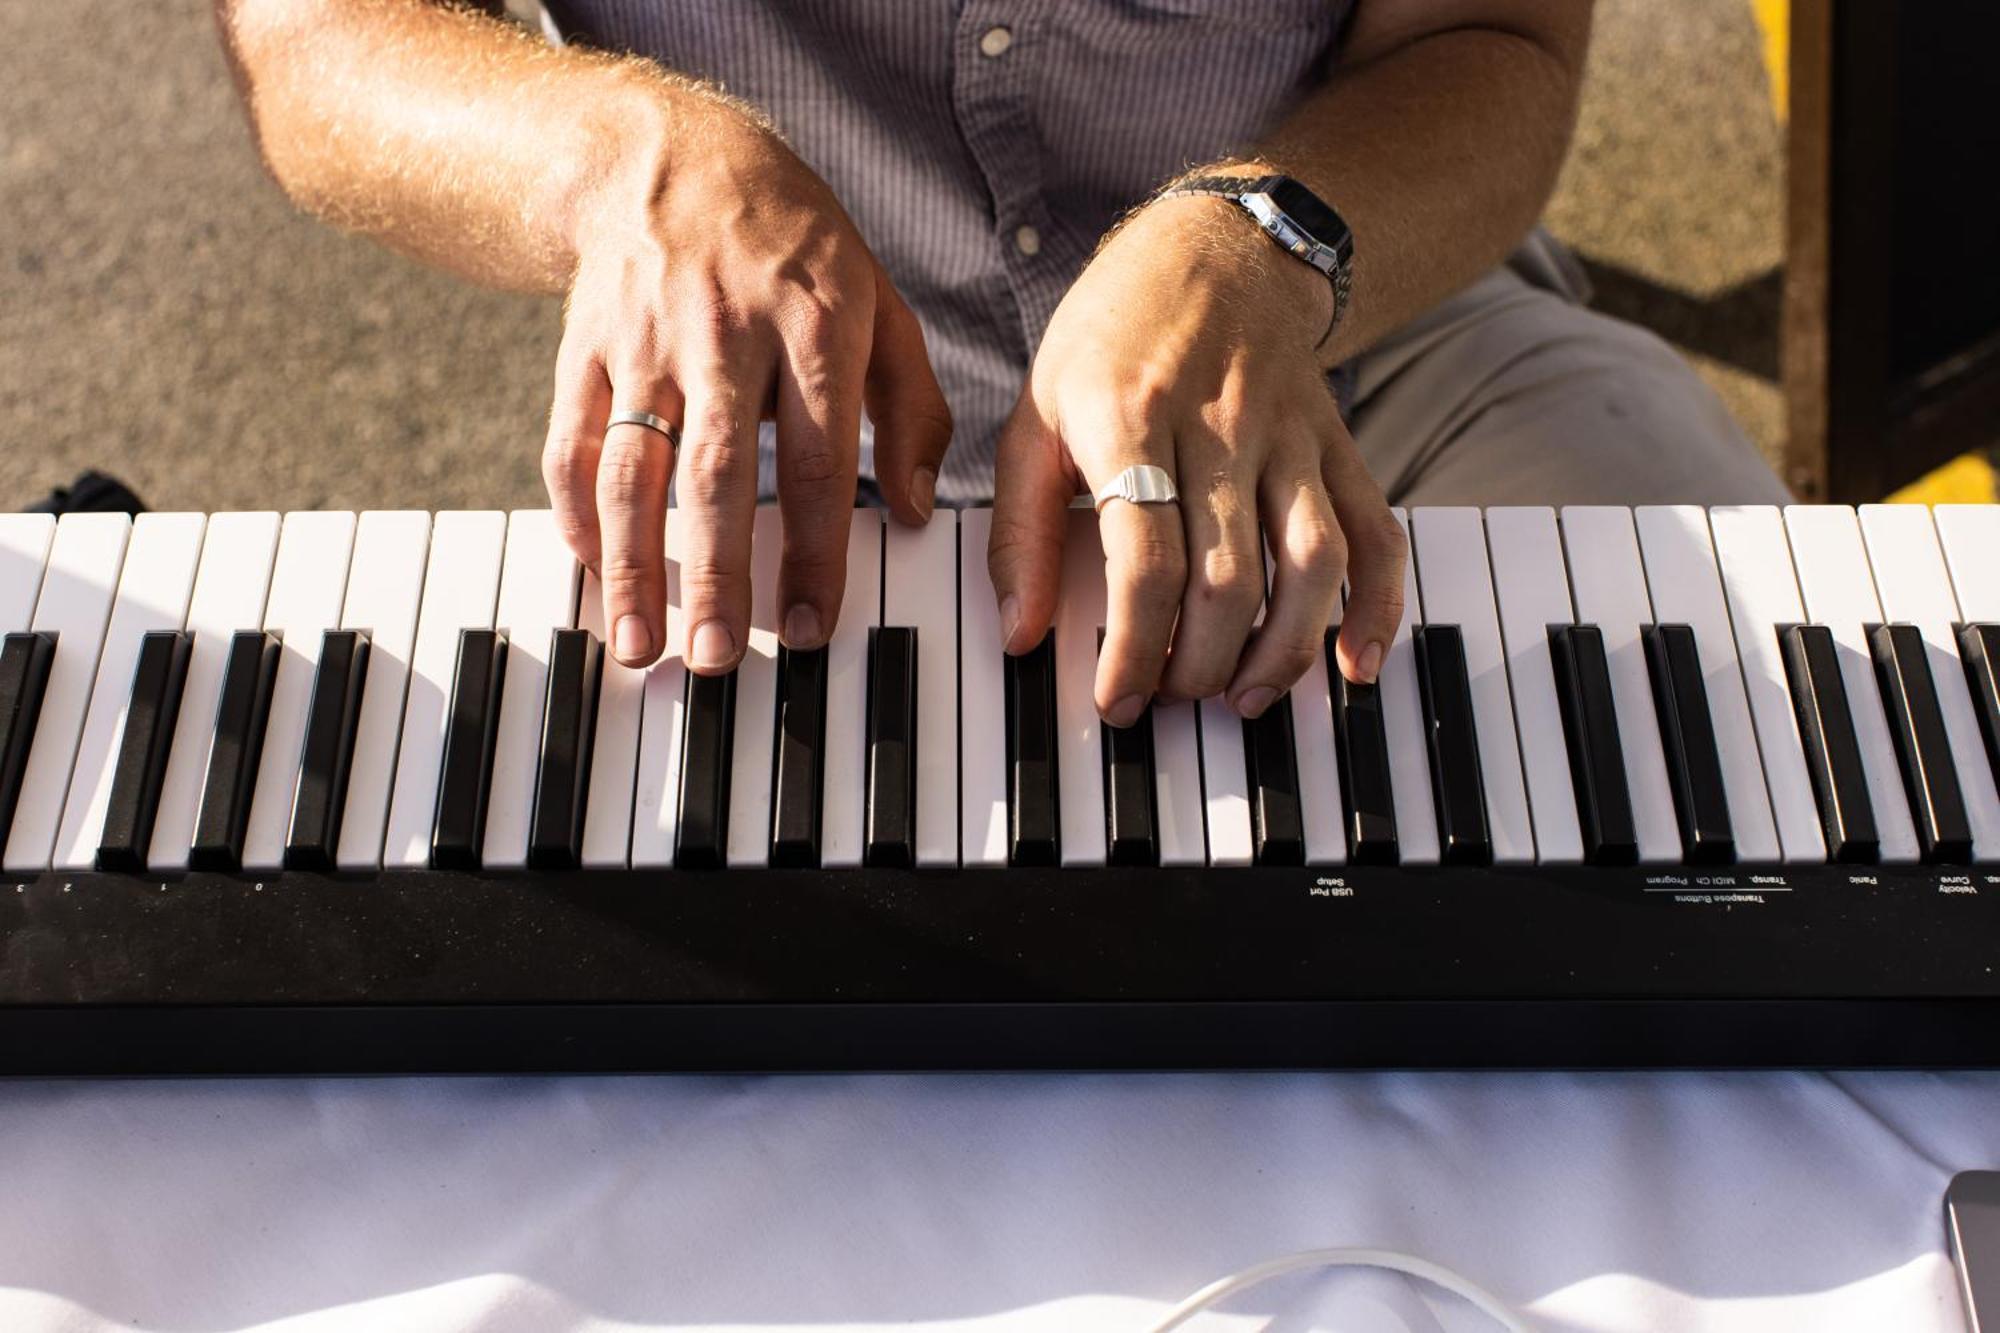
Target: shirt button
(993, 43)
(1027, 240)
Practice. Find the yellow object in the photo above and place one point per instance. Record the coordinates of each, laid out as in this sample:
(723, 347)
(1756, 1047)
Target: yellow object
(1967, 479)
(1775, 18)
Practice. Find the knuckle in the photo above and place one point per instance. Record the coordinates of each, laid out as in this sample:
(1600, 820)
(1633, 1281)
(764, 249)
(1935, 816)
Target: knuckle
(1293, 656)
(628, 573)
(706, 582)
(1197, 682)
(1318, 551)
(815, 465)
(1156, 571)
(566, 458)
(709, 469)
(626, 479)
(1230, 579)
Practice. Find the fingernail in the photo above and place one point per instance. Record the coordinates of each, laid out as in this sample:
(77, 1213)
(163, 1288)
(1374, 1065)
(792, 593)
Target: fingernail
(802, 627)
(1252, 702)
(1010, 618)
(632, 641)
(1370, 663)
(714, 647)
(1126, 711)
(923, 490)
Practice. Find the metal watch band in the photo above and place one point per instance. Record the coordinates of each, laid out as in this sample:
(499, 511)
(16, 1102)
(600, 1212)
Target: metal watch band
(1335, 259)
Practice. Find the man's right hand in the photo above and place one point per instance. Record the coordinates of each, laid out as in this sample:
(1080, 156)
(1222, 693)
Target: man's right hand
(719, 284)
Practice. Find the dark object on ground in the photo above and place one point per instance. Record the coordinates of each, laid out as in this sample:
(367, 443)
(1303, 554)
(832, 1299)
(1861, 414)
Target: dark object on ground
(91, 493)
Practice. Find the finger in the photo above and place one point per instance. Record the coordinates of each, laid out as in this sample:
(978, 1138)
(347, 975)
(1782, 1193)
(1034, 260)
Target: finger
(1378, 554)
(1032, 486)
(631, 497)
(718, 504)
(819, 424)
(1225, 570)
(912, 423)
(1308, 558)
(1145, 573)
(577, 415)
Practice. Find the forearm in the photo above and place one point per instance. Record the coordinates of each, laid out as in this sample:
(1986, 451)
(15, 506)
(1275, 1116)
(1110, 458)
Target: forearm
(1440, 153)
(448, 135)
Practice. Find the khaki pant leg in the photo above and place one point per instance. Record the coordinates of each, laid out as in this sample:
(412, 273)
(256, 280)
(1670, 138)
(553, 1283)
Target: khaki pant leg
(1508, 393)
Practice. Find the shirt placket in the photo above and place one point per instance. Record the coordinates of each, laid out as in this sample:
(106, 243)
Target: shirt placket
(994, 50)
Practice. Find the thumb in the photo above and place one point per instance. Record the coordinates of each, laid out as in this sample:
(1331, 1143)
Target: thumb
(1032, 485)
(912, 423)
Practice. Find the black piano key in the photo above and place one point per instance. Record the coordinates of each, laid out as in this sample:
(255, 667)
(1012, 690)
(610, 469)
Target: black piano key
(1271, 767)
(798, 762)
(1923, 748)
(1979, 648)
(1596, 757)
(1131, 794)
(1687, 734)
(458, 834)
(890, 819)
(241, 709)
(1457, 785)
(142, 753)
(569, 726)
(1034, 821)
(320, 797)
(1361, 748)
(701, 838)
(1833, 754)
(25, 659)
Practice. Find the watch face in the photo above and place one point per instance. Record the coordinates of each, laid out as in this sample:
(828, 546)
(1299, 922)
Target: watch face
(1304, 207)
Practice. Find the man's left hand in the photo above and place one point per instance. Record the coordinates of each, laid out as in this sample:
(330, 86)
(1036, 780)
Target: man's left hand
(1188, 343)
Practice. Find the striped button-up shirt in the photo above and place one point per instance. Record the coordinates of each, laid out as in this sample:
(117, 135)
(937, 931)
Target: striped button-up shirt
(984, 146)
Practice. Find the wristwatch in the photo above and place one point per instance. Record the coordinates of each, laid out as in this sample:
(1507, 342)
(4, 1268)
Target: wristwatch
(1302, 224)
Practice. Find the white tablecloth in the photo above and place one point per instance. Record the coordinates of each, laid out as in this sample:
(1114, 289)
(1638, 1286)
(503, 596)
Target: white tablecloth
(1617, 1202)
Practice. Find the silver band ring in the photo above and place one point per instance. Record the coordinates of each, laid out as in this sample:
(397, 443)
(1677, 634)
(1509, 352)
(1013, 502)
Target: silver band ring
(632, 416)
(1141, 484)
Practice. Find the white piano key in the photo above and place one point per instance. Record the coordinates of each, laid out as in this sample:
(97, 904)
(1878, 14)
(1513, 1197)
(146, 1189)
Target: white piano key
(1839, 592)
(1911, 579)
(1609, 583)
(308, 585)
(1686, 588)
(153, 591)
(237, 550)
(1533, 585)
(614, 755)
(1763, 592)
(1177, 784)
(1311, 701)
(1079, 739)
(757, 702)
(656, 793)
(538, 585)
(1450, 549)
(1970, 535)
(1403, 723)
(461, 585)
(384, 586)
(24, 553)
(1225, 787)
(982, 712)
(983, 699)
(920, 588)
(75, 603)
(844, 776)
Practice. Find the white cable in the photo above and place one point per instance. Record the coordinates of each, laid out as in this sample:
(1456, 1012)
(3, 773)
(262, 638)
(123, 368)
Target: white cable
(1345, 1257)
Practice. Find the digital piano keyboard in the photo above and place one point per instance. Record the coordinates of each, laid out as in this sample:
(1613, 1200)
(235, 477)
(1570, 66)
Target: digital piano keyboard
(1655, 786)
